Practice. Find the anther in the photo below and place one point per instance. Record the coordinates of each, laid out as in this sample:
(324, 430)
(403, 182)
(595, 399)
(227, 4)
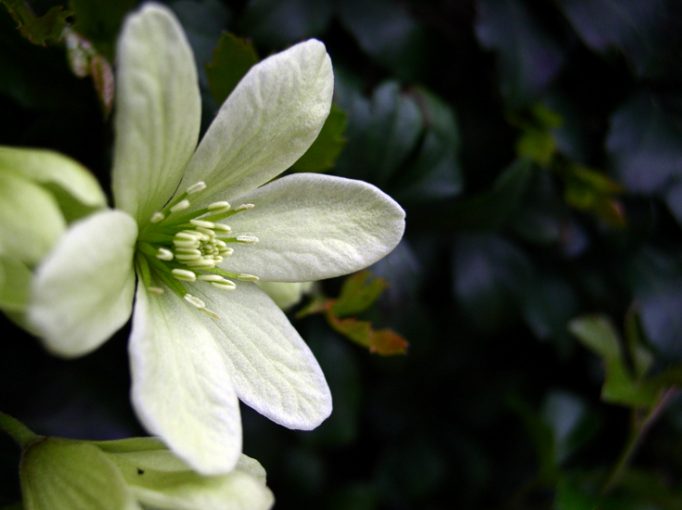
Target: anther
(184, 275)
(188, 235)
(202, 223)
(219, 207)
(180, 243)
(247, 238)
(156, 290)
(221, 227)
(227, 251)
(244, 207)
(210, 278)
(226, 285)
(194, 301)
(187, 257)
(196, 187)
(201, 263)
(180, 206)
(247, 277)
(157, 217)
(207, 233)
(164, 254)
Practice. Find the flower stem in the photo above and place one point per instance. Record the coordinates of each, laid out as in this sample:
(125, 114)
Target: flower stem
(639, 428)
(19, 432)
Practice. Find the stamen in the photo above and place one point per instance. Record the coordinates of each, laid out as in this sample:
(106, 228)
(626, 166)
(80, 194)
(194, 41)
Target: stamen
(211, 278)
(219, 207)
(226, 285)
(221, 227)
(194, 301)
(188, 235)
(227, 251)
(157, 217)
(202, 223)
(181, 206)
(186, 258)
(184, 275)
(246, 238)
(185, 244)
(156, 290)
(188, 251)
(200, 263)
(244, 207)
(207, 233)
(164, 254)
(196, 188)
(247, 277)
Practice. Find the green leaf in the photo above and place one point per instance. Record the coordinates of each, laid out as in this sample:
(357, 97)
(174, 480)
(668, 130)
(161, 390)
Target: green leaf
(529, 56)
(58, 474)
(571, 422)
(645, 144)
(489, 274)
(99, 21)
(598, 334)
(621, 385)
(493, 208)
(232, 58)
(434, 172)
(632, 27)
(387, 32)
(591, 191)
(548, 302)
(382, 132)
(278, 24)
(40, 30)
(326, 148)
(359, 292)
(384, 342)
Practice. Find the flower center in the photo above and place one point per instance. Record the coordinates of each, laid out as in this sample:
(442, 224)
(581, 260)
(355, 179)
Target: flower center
(180, 246)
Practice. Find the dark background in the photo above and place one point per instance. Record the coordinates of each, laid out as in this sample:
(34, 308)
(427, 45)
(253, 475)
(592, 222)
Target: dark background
(537, 149)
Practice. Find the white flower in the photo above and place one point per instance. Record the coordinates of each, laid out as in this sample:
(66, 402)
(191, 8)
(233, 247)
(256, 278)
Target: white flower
(203, 334)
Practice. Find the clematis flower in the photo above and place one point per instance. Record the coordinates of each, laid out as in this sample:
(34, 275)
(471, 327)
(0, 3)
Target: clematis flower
(195, 227)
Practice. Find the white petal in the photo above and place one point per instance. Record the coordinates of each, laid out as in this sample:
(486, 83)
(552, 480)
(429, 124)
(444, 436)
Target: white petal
(182, 389)
(83, 291)
(268, 122)
(314, 226)
(158, 111)
(273, 370)
(53, 169)
(30, 220)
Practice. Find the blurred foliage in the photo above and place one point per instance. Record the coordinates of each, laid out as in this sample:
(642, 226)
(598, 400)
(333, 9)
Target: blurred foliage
(537, 149)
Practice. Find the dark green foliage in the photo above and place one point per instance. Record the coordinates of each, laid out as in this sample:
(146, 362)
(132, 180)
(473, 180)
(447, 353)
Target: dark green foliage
(537, 149)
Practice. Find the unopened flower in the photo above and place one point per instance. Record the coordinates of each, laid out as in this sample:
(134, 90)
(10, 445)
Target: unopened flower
(126, 474)
(41, 191)
(195, 227)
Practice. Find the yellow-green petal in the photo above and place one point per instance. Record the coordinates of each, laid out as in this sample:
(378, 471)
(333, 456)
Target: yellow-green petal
(312, 227)
(267, 123)
(30, 219)
(182, 388)
(58, 474)
(72, 185)
(158, 111)
(83, 291)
